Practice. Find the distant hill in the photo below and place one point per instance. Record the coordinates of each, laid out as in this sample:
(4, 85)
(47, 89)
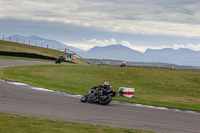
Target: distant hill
(42, 42)
(8, 46)
(119, 52)
(18, 47)
(181, 56)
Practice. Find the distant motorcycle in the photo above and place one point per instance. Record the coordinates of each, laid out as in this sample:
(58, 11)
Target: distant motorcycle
(123, 64)
(99, 95)
(59, 60)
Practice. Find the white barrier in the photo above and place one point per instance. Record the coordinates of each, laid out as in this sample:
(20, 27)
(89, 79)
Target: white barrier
(126, 92)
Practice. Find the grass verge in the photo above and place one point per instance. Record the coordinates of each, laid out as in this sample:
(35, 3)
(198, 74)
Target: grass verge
(10, 123)
(18, 47)
(158, 87)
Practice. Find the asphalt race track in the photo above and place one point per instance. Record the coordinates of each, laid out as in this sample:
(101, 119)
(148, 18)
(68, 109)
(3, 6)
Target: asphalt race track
(23, 101)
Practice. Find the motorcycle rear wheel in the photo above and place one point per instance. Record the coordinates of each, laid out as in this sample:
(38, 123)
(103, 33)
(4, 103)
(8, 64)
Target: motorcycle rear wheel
(105, 102)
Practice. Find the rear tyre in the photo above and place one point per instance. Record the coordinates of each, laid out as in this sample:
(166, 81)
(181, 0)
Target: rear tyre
(106, 101)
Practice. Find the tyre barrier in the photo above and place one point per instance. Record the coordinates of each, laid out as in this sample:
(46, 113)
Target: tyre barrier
(27, 55)
(126, 92)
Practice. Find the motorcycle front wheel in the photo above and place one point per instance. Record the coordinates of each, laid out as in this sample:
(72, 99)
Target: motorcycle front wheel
(84, 98)
(106, 101)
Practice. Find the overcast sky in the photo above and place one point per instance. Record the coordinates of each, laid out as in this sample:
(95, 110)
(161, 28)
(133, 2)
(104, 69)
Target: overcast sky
(138, 24)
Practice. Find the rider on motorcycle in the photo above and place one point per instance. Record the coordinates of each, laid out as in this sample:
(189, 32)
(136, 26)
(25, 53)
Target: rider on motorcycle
(106, 87)
(101, 94)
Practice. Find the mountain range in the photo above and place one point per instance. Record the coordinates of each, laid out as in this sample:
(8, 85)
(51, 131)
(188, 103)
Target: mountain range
(181, 56)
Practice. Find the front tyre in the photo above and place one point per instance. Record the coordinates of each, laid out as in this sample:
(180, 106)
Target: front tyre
(84, 98)
(106, 101)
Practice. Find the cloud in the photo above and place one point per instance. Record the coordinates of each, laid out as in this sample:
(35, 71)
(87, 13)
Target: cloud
(102, 43)
(178, 17)
(112, 41)
(105, 42)
(189, 46)
(83, 46)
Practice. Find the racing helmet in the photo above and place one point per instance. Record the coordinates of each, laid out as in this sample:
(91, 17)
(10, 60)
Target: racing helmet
(106, 83)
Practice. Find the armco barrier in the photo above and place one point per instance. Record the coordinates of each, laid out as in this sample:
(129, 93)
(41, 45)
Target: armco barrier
(27, 55)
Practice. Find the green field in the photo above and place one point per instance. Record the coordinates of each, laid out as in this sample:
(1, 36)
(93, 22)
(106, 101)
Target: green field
(158, 87)
(23, 124)
(18, 47)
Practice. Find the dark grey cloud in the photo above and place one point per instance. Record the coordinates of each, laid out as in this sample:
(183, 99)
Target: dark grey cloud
(77, 34)
(140, 22)
(172, 17)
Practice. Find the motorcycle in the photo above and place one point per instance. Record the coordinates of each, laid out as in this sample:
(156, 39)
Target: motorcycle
(59, 60)
(99, 95)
